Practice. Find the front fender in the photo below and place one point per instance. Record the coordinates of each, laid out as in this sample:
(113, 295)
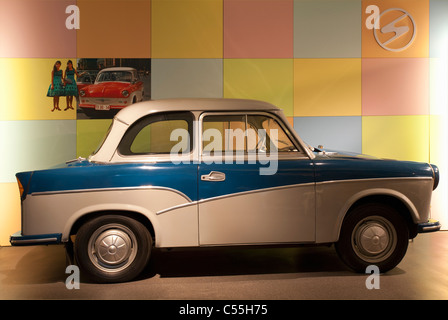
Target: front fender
(334, 200)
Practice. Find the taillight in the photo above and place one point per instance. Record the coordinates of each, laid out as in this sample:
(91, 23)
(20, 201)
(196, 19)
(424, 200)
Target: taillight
(21, 188)
(23, 181)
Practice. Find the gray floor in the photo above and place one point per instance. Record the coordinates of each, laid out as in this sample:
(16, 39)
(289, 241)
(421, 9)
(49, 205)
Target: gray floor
(241, 273)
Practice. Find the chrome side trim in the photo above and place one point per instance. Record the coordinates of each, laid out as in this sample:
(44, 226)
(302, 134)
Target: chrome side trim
(183, 205)
(256, 191)
(43, 193)
(230, 195)
(372, 180)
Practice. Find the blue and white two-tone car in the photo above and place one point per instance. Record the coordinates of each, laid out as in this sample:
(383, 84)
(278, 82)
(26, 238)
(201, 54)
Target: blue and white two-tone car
(220, 172)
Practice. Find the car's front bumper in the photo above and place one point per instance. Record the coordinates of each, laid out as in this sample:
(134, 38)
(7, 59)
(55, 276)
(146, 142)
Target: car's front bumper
(429, 226)
(17, 239)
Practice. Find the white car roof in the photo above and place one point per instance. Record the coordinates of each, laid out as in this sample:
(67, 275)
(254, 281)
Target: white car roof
(133, 112)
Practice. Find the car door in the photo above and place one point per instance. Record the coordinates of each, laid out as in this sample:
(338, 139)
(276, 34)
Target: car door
(255, 185)
(156, 163)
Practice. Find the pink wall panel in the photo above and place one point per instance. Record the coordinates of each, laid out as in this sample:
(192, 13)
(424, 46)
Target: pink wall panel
(395, 86)
(258, 29)
(35, 29)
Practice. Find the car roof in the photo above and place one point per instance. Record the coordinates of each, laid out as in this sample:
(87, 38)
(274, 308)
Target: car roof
(136, 111)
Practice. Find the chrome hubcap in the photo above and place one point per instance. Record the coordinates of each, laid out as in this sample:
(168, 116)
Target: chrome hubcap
(112, 248)
(374, 239)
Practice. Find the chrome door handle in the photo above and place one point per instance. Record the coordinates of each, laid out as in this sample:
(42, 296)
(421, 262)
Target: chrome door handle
(214, 176)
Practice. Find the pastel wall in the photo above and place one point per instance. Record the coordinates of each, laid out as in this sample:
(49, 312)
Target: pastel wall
(341, 84)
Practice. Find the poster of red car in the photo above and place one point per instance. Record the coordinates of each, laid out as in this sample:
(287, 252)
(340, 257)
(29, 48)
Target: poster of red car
(104, 92)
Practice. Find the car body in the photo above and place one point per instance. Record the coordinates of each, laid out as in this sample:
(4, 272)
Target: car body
(221, 172)
(113, 89)
(86, 78)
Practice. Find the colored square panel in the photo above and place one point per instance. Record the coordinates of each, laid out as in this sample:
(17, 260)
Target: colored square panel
(438, 85)
(10, 217)
(24, 84)
(439, 157)
(327, 29)
(402, 29)
(439, 140)
(269, 80)
(186, 78)
(395, 86)
(35, 29)
(258, 29)
(89, 134)
(187, 28)
(327, 87)
(112, 29)
(438, 28)
(334, 133)
(33, 145)
(396, 137)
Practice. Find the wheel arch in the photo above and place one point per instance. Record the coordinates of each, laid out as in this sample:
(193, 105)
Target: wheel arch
(392, 198)
(142, 218)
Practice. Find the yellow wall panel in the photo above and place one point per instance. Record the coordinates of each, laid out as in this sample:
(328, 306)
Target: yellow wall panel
(187, 29)
(10, 220)
(23, 90)
(268, 80)
(396, 137)
(89, 135)
(327, 87)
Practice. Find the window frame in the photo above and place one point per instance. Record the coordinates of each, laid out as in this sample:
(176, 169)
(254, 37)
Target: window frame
(124, 146)
(298, 154)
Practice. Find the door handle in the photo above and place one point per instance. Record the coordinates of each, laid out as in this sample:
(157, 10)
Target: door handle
(214, 176)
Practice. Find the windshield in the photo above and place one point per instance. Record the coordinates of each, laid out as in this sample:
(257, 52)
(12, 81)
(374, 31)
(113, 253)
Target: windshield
(122, 76)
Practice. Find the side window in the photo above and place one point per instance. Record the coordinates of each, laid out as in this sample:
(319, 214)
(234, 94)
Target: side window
(269, 135)
(224, 133)
(153, 134)
(244, 133)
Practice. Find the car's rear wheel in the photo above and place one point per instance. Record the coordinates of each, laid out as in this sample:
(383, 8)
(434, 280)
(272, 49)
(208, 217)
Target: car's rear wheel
(112, 248)
(373, 234)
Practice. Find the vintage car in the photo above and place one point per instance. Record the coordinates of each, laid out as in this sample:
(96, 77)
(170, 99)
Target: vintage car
(114, 89)
(86, 78)
(220, 172)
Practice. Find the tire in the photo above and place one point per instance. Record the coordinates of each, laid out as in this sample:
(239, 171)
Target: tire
(112, 248)
(373, 234)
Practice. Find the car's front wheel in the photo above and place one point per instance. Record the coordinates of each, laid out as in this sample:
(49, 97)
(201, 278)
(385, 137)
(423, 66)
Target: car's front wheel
(112, 248)
(373, 234)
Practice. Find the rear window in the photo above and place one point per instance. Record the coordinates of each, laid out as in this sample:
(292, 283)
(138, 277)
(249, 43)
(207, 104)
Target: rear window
(153, 134)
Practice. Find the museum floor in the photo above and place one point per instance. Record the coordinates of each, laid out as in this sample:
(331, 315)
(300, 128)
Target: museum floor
(235, 274)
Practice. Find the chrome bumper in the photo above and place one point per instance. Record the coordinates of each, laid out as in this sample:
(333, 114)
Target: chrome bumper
(17, 239)
(430, 226)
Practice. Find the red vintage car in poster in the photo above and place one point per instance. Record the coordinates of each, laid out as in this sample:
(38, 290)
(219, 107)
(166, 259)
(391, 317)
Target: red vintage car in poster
(114, 89)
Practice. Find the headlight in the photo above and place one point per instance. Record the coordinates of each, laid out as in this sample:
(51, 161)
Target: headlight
(82, 93)
(125, 93)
